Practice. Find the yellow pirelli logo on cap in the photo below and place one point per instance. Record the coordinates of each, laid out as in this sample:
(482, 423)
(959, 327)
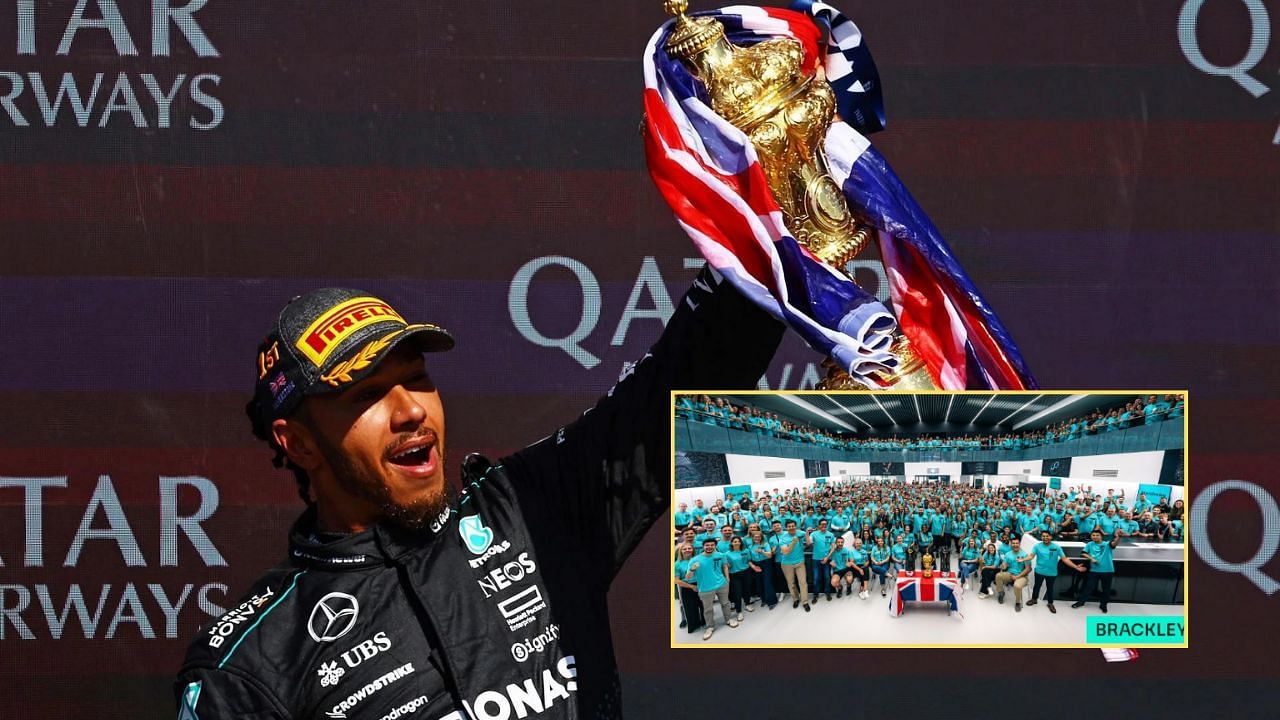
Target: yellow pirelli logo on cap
(331, 328)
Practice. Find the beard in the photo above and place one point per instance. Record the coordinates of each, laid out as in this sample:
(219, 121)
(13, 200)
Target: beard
(362, 483)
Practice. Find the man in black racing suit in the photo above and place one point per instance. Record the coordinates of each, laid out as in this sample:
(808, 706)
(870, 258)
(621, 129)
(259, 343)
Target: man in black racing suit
(495, 605)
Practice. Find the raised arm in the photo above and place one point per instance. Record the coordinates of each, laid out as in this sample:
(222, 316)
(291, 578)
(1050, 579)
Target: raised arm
(599, 483)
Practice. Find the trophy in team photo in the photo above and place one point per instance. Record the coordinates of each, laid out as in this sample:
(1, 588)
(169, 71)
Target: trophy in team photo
(752, 120)
(926, 562)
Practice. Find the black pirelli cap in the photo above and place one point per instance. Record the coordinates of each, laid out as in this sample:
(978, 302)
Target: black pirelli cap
(323, 342)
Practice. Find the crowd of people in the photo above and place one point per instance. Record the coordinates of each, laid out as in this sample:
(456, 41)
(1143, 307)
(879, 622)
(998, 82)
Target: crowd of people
(841, 539)
(1140, 411)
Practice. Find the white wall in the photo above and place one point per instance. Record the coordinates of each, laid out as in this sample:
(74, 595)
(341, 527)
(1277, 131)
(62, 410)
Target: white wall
(1139, 467)
(744, 469)
(1005, 480)
(851, 468)
(938, 468)
(1020, 467)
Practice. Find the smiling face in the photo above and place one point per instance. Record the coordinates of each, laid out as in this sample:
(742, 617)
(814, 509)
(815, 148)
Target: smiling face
(374, 451)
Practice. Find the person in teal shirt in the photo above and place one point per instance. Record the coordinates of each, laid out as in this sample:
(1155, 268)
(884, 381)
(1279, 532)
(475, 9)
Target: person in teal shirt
(791, 547)
(1047, 555)
(710, 572)
(720, 518)
(685, 407)
(1154, 411)
(762, 549)
(690, 605)
(898, 553)
(739, 559)
(1027, 521)
(988, 568)
(969, 556)
(1102, 569)
(1108, 523)
(860, 564)
(1142, 505)
(1127, 525)
(822, 541)
(839, 522)
(708, 533)
(880, 562)
(924, 541)
(841, 573)
(959, 531)
(683, 518)
(938, 528)
(726, 535)
(1015, 566)
(1089, 523)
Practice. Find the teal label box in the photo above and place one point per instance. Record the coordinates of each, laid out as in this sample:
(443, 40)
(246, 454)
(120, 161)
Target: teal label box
(1136, 630)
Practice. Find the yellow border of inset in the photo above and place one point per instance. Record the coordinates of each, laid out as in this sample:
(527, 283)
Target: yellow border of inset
(1186, 494)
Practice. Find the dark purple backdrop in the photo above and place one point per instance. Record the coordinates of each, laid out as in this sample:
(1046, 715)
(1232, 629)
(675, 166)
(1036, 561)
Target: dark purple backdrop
(1117, 206)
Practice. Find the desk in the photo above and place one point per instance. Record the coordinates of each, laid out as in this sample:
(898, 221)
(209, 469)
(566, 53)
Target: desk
(914, 586)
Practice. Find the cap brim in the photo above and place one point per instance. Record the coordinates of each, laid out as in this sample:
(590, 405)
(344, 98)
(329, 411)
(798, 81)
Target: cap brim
(423, 338)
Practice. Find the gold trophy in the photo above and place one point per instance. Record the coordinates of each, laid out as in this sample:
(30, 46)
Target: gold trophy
(764, 91)
(927, 562)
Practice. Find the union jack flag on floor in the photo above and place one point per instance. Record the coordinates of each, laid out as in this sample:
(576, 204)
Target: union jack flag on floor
(942, 587)
(711, 177)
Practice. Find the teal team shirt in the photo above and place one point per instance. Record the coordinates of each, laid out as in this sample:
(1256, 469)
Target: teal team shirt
(1014, 561)
(859, 556)
(899, 552)
(939, 526)
(682, 569)
(796, 556)
(840, 558)
(1088, 524)
(1107, 525)
(708, 571)
(1047, 558)
(758, 550)
(822, 542)
(738, 560)
(879, 555)
(1101, 554)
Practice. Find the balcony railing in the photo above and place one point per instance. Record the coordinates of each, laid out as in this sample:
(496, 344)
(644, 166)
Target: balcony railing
(701, 437)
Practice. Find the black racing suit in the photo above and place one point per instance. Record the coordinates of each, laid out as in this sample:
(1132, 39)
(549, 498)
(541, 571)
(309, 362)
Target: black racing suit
(498, 611)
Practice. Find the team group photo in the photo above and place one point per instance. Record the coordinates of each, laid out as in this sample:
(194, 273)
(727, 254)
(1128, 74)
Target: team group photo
(973, 519)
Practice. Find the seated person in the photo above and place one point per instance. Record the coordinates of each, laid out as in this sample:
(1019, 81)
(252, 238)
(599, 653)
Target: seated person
(1015, 566)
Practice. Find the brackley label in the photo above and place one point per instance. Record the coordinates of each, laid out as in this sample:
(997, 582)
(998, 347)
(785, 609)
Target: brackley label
(1166, 629)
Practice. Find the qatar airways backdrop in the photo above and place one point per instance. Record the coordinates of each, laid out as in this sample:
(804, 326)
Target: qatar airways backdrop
(171, 172)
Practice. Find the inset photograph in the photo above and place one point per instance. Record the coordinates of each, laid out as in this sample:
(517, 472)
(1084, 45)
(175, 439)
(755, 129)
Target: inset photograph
(967, 519)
